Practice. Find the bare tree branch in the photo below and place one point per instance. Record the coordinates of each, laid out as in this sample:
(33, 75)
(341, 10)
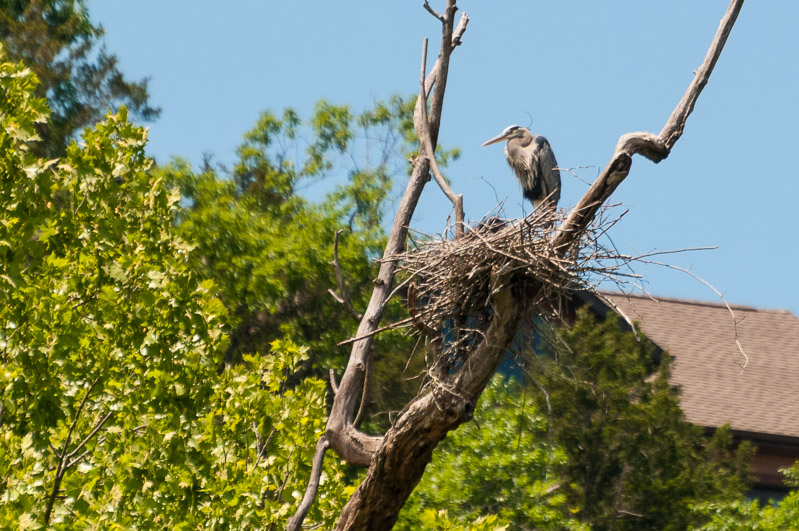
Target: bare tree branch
(457, 35)
(333, 383)
(97, 427)
(367, 378)
(655, 148)
(397, 460)
(409, 444)
(433, 11)
(344, 298)
(295, 522)
(374, 332)
(342, 434)
(723, 300)
(64, 457)
(675, 125)
(353, 446)
(427, 148)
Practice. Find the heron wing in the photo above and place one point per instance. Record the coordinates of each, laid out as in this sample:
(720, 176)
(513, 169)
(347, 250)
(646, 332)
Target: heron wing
(547, 169)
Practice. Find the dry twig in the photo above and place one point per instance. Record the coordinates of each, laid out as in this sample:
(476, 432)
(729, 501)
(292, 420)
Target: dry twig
(427, 148)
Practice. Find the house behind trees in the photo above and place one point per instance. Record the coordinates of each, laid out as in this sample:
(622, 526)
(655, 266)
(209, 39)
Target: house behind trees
(755, 391)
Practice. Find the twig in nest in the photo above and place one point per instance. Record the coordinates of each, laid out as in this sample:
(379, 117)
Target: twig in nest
(454, 281)
(723, 300)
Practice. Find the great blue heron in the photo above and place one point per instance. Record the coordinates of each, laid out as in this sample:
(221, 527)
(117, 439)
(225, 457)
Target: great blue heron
(535, 166)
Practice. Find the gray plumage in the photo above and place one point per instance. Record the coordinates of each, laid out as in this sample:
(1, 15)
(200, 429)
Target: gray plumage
(532, 160)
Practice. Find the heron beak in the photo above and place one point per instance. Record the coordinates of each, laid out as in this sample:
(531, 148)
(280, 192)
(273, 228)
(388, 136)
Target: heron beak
(498, 138)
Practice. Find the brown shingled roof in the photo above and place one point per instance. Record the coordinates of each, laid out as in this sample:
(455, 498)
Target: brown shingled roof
(763, 397)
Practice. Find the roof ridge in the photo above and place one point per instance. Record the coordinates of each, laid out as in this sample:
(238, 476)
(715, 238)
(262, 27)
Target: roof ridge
(692, 302)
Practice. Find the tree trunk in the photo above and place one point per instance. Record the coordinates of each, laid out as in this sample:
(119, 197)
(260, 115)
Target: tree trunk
(408, 446)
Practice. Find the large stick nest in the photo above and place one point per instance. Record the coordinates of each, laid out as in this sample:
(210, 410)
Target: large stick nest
(451, 281)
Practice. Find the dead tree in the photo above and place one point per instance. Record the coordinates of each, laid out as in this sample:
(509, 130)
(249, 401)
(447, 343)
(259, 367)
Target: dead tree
(521, 269)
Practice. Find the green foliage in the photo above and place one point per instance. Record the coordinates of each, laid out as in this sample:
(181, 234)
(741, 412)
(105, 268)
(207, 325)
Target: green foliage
(633, 460)
(433, 520)
(255, 445)
(79, 78)
(499, 468)
(742, 515)
(114, 413)
(270, 250)
(749, 516)
(273, 265)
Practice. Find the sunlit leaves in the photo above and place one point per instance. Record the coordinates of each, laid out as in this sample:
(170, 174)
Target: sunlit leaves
(332, 130)
(495, 473)
(751, 515)
(112, 348)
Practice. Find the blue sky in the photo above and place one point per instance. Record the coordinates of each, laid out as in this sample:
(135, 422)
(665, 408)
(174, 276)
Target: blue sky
(586, 71)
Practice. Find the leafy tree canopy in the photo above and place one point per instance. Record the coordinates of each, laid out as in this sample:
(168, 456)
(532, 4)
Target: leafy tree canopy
(269, 248)
(741, 515)
(114, 412)
(79, 78)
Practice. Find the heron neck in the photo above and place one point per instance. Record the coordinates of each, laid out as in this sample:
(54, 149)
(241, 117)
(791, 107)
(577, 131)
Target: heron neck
(522, 141)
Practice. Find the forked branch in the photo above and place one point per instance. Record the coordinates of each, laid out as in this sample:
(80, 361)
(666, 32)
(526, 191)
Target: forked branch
(426, 148)
(433, 12)
(352, 445)
(68, 460)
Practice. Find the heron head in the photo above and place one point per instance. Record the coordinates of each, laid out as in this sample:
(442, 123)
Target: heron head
(513, 131)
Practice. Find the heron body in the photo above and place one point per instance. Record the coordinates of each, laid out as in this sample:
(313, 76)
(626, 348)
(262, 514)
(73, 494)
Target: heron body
(532, 160)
